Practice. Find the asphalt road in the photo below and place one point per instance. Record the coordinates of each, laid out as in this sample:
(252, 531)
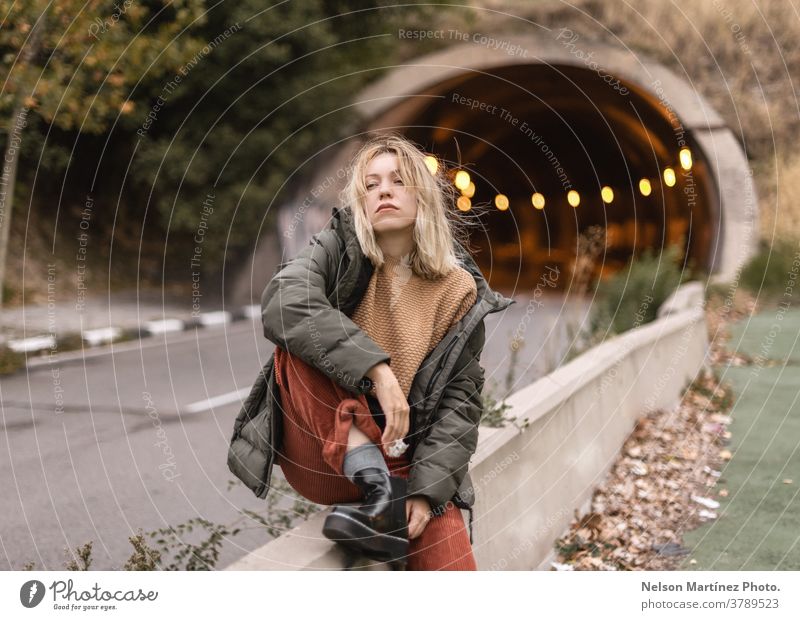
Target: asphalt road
(136, 437)
(97, 448)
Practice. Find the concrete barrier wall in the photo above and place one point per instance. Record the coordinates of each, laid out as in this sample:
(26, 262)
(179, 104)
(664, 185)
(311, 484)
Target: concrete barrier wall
(564, 433)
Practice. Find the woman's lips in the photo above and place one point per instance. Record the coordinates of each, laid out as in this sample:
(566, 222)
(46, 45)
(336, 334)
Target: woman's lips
(386, 208)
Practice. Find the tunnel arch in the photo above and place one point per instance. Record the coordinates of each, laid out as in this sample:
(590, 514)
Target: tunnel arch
(596, 135)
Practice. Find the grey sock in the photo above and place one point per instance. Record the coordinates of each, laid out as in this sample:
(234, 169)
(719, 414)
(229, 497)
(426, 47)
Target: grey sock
(361, 457)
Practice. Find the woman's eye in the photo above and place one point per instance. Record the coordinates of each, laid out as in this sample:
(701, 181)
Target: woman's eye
(373, 185)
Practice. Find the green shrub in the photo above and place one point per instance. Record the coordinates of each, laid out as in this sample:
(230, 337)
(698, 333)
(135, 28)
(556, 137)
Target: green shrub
(10, 361)
(70, 342)
(632, 296)
(767, 273)
(196, 544)
(144, 557)
(82, 559)
(494, 411)
(9, 292)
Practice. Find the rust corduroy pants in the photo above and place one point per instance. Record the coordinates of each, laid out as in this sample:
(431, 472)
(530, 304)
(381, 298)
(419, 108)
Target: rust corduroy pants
(317, 415)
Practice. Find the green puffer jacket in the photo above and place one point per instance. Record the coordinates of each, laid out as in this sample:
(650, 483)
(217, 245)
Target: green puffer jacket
(306, 309)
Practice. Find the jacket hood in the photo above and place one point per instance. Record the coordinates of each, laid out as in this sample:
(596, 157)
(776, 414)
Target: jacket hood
(342, 221)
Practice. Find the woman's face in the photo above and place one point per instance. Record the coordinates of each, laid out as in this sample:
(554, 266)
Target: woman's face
(385, 189)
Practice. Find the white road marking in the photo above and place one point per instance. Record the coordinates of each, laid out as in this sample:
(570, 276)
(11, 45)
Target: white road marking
(217, 401)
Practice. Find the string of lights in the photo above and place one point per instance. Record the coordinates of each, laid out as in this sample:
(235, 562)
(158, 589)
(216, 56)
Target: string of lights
(463, 182)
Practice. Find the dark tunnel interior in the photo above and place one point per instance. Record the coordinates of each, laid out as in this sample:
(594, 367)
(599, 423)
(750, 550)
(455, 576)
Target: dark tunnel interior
(525, 129)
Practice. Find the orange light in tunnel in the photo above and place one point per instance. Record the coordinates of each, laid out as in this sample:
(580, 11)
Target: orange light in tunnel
(607, 194)
(669, 177)
(573, 198)
(645, 187)
(463, 203)
(501, 201)
(685, 155)
(470, 191)
(432, 163)
(462, 180)
(538, 200)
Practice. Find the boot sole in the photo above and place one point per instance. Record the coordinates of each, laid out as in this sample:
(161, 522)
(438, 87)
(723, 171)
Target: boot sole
(355, 535)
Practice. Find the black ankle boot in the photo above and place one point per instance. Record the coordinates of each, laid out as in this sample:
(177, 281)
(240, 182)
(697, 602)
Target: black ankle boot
(377, 528)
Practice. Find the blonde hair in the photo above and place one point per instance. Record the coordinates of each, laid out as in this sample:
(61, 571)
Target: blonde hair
(435, 228)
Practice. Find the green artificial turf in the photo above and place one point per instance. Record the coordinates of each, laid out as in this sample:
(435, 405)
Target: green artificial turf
(771, 334)
(758, 524)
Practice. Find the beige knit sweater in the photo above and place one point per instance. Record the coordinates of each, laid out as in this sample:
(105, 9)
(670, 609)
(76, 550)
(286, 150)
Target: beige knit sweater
(407, 315)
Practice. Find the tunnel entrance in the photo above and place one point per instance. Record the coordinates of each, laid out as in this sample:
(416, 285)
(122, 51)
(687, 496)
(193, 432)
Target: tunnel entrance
(552, 150)
(529, 128)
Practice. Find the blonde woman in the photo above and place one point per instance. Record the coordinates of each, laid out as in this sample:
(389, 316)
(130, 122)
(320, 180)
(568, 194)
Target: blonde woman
(378, 327)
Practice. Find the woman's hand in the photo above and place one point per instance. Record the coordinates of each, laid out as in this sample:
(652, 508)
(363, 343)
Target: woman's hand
(418, 513)
(393, 403)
